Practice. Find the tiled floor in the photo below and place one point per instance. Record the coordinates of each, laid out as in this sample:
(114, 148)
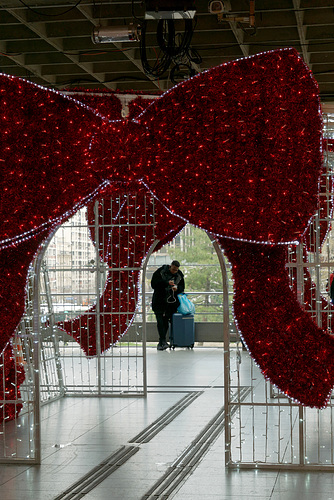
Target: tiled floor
(78, 434)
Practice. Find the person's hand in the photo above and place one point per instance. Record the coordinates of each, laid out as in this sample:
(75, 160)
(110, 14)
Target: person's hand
(174, 288)
(171, 282)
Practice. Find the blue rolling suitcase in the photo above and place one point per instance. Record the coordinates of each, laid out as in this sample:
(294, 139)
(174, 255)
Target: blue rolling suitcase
(182, 332)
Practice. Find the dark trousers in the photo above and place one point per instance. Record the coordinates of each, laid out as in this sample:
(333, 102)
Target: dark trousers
(163, 320)
(162, 324)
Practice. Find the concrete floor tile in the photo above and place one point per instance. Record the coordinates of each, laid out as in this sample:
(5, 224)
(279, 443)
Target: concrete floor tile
(27, 495)
(301, 495)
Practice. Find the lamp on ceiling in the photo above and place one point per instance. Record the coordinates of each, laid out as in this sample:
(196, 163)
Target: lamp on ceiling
(107, 34)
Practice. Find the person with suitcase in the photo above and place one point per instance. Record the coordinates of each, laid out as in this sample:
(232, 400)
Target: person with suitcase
(167, 282)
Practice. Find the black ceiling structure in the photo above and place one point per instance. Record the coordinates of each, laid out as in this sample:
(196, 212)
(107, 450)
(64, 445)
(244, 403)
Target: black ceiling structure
(49, 42)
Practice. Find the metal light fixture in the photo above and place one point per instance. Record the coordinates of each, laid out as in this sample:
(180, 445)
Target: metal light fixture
(219, 6)
(108, 34)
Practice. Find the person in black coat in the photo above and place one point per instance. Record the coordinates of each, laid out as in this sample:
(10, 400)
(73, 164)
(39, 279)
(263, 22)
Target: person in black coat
(167, 282)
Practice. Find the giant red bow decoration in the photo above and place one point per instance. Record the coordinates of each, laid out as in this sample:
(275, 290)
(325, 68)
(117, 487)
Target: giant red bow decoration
(234, 150)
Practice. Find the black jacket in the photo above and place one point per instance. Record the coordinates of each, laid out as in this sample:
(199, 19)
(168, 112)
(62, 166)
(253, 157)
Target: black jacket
(163, 296)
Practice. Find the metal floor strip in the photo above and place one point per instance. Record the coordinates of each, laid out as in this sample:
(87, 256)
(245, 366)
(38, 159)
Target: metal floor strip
(191, 456)
(95, 476)
(158, 425)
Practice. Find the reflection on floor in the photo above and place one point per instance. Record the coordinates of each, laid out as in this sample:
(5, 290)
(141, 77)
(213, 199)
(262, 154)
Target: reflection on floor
(168, 445)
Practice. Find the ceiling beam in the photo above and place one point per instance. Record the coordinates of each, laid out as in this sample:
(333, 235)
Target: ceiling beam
(302, 32)
(239, 36)
(40, 30)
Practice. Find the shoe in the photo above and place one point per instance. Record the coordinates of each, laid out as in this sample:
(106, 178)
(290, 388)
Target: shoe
(163, 346)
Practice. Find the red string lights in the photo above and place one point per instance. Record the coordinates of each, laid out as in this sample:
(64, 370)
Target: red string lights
(235, 150)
